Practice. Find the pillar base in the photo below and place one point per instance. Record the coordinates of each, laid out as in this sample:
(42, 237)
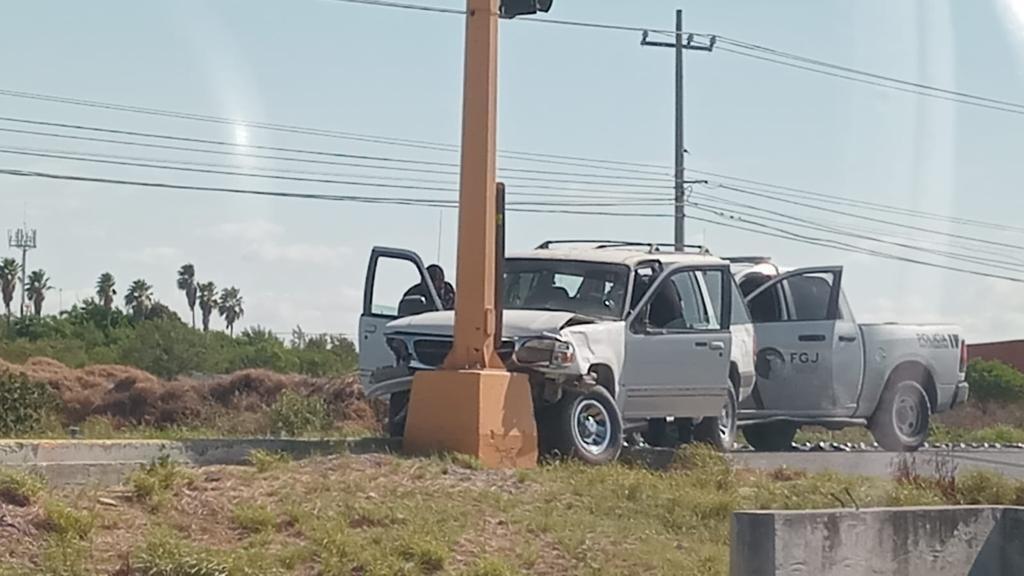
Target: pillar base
(483, 413)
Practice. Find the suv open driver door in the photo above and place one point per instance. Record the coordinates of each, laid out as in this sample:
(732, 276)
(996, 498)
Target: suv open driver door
(811, 350)
(389, 276)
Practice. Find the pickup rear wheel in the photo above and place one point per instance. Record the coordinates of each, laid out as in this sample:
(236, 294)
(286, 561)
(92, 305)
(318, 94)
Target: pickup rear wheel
(585, 425)
(770, 436)
(719, 431)
(900, 422)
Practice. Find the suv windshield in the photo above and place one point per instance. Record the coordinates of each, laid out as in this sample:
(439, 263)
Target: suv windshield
(588, 288)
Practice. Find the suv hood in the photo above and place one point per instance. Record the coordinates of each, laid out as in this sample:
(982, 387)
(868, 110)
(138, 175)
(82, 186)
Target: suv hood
(517, 323)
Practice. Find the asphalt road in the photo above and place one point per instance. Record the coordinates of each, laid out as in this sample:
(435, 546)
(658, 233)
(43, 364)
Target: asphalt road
(78, 462)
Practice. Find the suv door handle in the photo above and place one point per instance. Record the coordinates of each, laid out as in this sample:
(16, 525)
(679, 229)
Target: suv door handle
(371, 329)
(700, 344)
(811, 338)
(847, 339)
(718, 345)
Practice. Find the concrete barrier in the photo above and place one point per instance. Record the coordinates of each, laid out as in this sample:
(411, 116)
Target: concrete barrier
(108, 462)
(938, 541)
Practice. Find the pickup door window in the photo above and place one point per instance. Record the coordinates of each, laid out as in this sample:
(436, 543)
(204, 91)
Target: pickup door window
(396, 285)
(810, 360)
(677, 349)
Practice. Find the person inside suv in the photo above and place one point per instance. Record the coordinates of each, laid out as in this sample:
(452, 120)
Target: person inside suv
(419, 294)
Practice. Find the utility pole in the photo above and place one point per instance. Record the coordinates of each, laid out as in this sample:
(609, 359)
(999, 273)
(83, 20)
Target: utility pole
(472, 405)
(682, 42)
(23, 239)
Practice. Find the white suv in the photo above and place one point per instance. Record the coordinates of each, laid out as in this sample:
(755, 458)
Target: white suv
(614, 336)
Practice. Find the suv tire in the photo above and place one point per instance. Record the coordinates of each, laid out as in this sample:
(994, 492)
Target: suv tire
(900, 422)
(719, 431)
(770, 436)
(585, 425)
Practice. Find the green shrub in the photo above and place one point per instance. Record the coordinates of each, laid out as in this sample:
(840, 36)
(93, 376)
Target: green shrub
(154, 481)
(994, 381)
(19, 488)
(25, 406)
(253, 518)
(294, 414)
(265, 461)
(165, 554)
(68, 522)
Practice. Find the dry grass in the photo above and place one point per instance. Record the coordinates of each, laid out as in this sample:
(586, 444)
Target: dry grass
(377, 514)
(118, 396)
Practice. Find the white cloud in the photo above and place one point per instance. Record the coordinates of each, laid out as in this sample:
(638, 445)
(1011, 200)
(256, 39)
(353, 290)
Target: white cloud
(250, 230)
(267, 241)
(155, 254)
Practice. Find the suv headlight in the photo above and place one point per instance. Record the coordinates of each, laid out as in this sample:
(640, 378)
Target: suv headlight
(545, 352)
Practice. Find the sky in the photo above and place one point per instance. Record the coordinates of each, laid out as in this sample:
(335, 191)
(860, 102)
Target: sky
(562, 90)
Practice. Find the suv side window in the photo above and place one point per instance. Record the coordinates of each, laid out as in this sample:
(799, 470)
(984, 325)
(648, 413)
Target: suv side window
(679, 304)
(740, 314)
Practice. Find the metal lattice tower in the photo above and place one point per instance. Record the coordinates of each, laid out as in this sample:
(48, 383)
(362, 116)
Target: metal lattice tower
(23, 239)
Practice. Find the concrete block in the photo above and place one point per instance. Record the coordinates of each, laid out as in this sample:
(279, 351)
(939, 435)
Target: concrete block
(929, 541)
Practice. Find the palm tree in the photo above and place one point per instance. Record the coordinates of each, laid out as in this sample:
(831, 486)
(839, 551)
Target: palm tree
(139, 298)
(207, 302)
(105, 290)
(9, 272)
(38, 286)
(230, 307)
(187, 284)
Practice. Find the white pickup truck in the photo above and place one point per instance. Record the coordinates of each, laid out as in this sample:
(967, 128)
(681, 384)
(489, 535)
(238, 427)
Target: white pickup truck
(614, 337)
(817, 366)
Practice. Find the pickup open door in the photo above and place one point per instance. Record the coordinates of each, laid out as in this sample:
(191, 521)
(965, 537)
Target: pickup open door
(389, 276)
(810, 358)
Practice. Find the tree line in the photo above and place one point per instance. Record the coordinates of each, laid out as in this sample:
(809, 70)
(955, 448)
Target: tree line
(139, 300)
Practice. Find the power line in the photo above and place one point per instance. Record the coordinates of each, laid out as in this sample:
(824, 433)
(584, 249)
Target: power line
(308, 160)
(403, 6)
(590, 163)
(333, 177)
(866, 251)
(842, 228)
(873, 219)
(766, 215)
(545, 20)
(877, 84)
(760, 228)
(860, 72)
(836, 199)
(312, 152)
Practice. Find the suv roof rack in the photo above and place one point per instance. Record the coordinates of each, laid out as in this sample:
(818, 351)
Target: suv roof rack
(606, 244)
(748, 259)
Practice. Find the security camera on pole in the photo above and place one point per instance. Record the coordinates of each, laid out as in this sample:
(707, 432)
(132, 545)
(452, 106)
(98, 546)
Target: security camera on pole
(473, 405)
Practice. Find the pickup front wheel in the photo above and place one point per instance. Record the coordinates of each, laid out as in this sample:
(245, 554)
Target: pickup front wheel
(900, 423)
(583, 425)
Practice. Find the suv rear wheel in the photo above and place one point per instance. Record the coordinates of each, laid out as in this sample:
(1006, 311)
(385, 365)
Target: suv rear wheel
(719, 431)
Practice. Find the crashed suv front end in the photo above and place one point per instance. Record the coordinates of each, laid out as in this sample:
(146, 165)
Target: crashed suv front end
(555, 348)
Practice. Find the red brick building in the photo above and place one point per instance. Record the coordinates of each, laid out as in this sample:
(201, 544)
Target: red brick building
(1010, 352)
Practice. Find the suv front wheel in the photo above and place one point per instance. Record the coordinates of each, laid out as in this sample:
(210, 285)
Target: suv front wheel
(585, 425)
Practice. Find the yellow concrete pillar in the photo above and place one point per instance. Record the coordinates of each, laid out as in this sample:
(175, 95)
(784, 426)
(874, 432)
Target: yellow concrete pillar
(474, 405)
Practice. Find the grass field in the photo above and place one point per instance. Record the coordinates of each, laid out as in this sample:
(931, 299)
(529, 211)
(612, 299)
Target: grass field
(379, 514)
